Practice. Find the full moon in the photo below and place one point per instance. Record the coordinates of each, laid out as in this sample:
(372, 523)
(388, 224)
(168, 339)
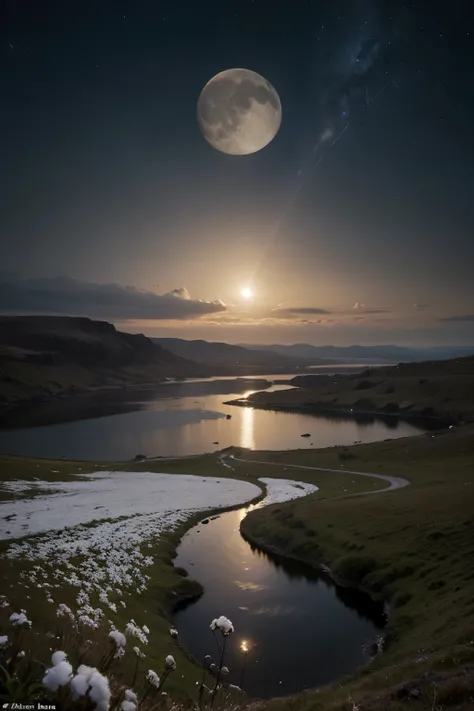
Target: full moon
(239, 112)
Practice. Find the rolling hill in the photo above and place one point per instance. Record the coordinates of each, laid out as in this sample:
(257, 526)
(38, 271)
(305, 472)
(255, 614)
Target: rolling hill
(366, 354)
(45, 356)
(236, 357)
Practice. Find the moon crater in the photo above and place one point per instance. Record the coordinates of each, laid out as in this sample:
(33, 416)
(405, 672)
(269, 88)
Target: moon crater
(239, 112)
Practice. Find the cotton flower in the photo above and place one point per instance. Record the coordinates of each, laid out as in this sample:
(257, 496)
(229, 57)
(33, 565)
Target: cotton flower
(119, 653)
(174, 632)
(118, 638)
(58, 657)
(87, 621)
(79, 685)
(145, 629)
(222, 624)
(100, 691)
(21, 654)
(153, 678)
(130, 702)
(225, 670)
(18, 619)
(170, 663)
(65, 611)
(90, 681)
(3, 641)
(59, 674)
(134, 631)
(139, 652)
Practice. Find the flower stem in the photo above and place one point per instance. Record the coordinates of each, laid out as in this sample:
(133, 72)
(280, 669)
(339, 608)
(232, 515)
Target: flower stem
(221, 664)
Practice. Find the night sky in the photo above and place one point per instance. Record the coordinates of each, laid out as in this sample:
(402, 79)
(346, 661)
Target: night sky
(354, 225)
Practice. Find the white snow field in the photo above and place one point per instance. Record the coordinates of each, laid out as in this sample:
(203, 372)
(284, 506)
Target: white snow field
(279, 490)
(105, 495)
(110, 557)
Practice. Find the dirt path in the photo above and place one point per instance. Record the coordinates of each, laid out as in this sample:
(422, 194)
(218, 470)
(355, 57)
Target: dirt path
(394, 482)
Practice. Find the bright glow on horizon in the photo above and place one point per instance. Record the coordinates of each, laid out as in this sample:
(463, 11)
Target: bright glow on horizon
(246, 292)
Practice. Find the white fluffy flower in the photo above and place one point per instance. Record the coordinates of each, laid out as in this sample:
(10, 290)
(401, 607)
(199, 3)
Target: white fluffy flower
(64, 611)
(222, 624)
(130, 702)
(58, 675)
(170, 662)
(79, 685)
(58, 657)
(119, 653)
(134, 631)
(118, 638)
(145, 629)
(3, 641)
(139, 652)
(174, 632)
(21, 654)
(18, 619)
(153, 678)
(100, 690)
(89, 680)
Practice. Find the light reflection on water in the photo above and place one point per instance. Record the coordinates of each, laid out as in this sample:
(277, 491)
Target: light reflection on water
(183, 419)
(301, 630)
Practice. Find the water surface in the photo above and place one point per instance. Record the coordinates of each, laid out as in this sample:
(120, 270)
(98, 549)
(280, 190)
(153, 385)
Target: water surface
(179, 419)
(302, 630)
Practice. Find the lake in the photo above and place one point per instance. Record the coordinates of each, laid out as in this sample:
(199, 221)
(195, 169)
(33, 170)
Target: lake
(178, 419)
(301, 629)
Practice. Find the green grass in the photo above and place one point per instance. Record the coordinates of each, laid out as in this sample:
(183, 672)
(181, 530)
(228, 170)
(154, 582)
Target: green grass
(413, 547)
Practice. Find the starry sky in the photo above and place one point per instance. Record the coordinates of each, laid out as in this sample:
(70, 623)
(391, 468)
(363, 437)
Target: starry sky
(354, 225)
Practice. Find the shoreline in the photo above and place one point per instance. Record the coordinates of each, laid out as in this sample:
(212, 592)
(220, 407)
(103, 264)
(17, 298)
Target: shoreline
(26, 412)
(350, 413)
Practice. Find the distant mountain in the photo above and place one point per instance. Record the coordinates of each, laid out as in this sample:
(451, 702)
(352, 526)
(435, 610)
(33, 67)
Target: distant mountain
(366, 354)
(43, 356)
(230, 356)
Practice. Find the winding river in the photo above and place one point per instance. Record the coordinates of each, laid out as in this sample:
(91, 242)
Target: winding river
(301, 629)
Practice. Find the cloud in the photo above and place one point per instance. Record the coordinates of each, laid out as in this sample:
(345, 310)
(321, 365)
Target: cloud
(420, 306)
(64, 295)
(465, 318)
(295, 310)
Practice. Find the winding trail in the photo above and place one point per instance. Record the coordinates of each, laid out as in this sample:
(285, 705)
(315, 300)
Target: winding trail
(394, 482)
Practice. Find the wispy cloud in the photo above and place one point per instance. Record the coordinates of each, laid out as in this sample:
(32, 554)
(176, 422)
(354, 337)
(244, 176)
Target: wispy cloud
(64, 295)
(295, 310)
(463, 318)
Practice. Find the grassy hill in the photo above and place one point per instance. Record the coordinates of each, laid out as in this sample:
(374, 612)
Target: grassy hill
(45, 356)
(236, 358)
(438, 389)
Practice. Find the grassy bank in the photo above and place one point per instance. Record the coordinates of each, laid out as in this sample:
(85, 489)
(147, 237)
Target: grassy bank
(413, 547)
(439, 391)
(167, 586)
